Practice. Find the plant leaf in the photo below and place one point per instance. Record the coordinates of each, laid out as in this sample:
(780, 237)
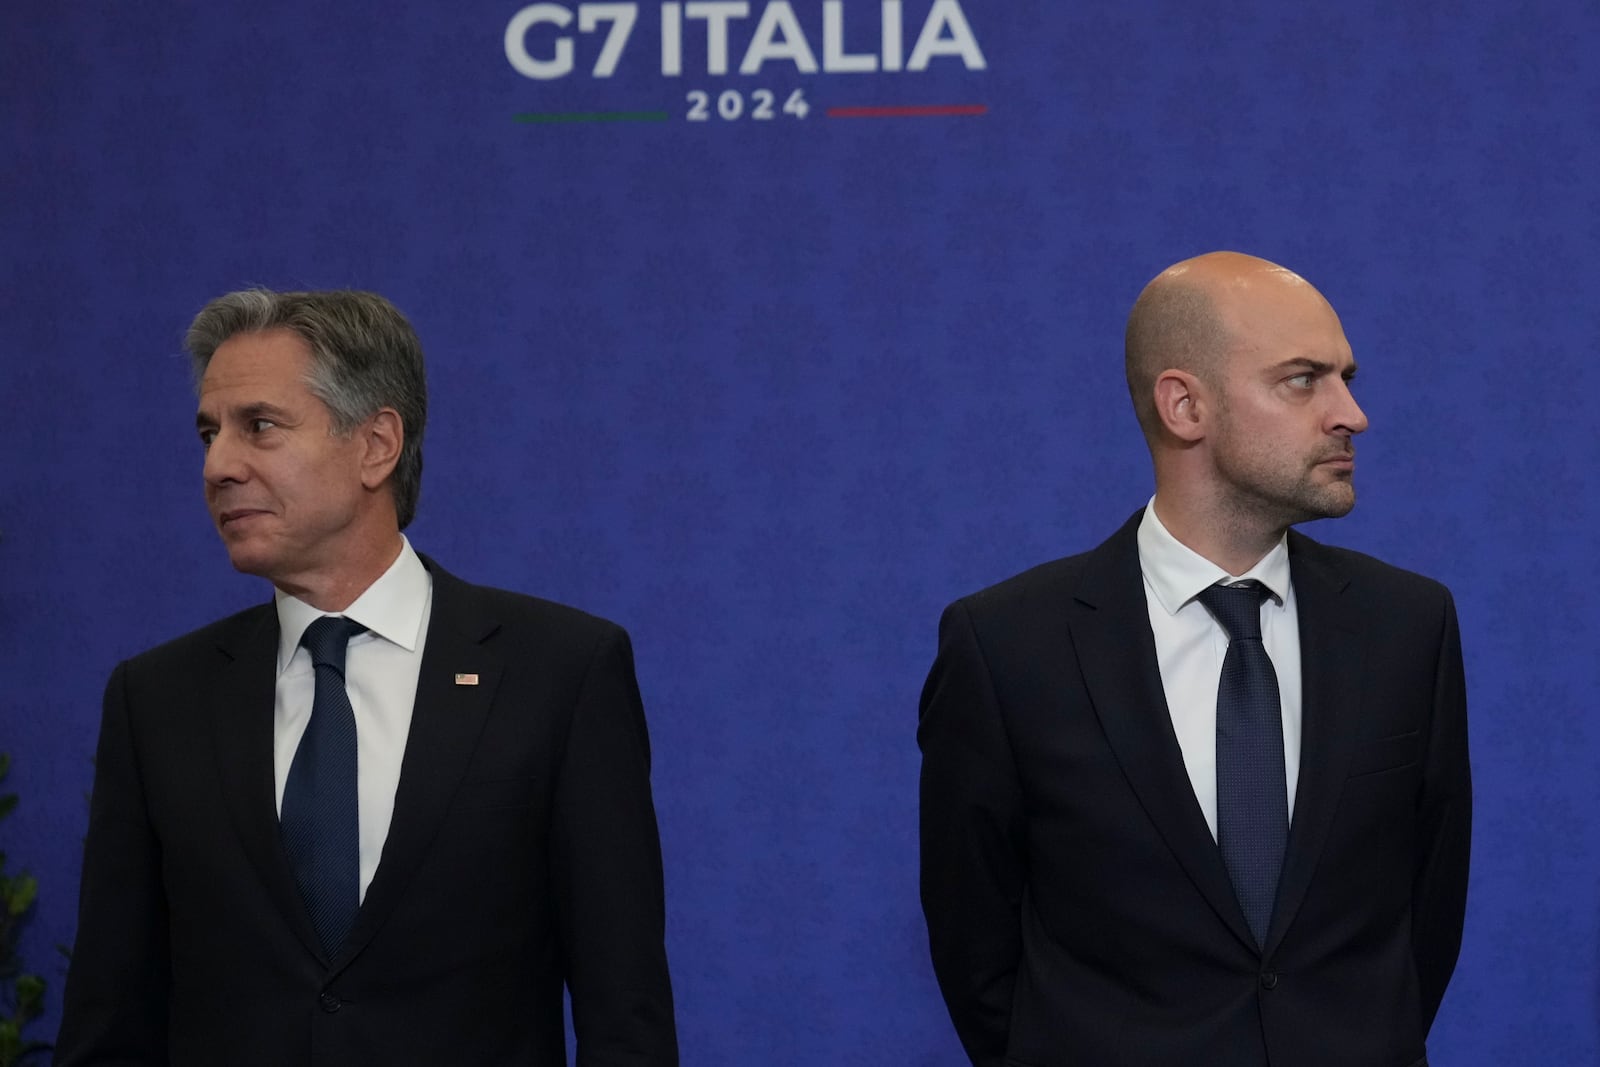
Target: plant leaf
(23, 892)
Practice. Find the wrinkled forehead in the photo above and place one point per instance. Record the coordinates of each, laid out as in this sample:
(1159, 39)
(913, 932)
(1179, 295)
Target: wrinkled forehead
(271, 366)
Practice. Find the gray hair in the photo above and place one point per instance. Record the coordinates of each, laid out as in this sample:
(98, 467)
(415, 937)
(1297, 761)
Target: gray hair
(364, 356)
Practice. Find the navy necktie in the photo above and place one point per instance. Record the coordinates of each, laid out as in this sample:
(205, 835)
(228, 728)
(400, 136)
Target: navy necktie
(1252, 799)
(319, 817)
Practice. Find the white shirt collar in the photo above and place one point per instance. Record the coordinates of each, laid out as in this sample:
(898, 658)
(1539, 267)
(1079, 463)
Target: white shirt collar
(1177, 573)
(391, 607)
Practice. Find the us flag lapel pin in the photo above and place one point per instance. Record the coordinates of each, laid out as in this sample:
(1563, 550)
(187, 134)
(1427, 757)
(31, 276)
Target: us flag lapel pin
(466, 679)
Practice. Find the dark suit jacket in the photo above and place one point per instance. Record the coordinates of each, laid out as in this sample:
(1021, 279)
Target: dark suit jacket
(1078, 910)
(522, 854)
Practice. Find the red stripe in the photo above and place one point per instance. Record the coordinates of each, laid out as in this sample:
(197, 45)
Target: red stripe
(906, 112)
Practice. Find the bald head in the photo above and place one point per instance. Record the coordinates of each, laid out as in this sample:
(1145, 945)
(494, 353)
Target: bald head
(1191, 315)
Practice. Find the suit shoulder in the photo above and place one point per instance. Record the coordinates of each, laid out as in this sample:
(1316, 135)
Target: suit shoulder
(456, 595)
(538, 610)
(1020, 593)
(560, 632)
(1109, 565)
(203, 641)
(1369, 572)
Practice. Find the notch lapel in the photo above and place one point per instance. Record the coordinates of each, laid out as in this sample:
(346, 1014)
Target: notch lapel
(241, 734)
(1331, 694)
(446, 723)
(1110, 626)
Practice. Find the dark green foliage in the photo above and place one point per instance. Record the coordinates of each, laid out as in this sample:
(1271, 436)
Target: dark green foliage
(21, 994)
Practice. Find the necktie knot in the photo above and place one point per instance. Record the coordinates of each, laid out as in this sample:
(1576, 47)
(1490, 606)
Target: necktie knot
(328, 638)
(1237, 608)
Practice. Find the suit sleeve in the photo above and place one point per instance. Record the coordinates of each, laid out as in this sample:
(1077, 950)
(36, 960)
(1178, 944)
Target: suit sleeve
(1444, 835)
(973, 841)
(115, 1011)
(608, 877)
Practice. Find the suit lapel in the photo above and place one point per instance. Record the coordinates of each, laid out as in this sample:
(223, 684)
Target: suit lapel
(1110, 626)
(242, 736)
(446, 722)
(1331, 698)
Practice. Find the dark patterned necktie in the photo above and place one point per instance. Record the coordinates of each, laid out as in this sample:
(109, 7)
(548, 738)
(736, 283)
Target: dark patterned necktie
(319, 818)
(1252, 799)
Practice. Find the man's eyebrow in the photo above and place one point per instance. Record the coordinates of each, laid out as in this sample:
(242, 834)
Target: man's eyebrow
(1315, 366)
(258, 410)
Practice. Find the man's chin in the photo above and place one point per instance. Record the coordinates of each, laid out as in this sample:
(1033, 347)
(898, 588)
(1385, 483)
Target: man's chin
(1334, 502)
(1310, 503)
(249, 559)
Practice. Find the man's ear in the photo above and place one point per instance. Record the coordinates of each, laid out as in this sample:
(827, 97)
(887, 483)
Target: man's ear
(1181, 404)
(382, 435)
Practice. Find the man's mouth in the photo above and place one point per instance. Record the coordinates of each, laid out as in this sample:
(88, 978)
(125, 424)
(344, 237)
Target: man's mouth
(233, 515)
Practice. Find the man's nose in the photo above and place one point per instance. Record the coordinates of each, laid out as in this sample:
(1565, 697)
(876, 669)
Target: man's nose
(1347, 414)
(223, 461)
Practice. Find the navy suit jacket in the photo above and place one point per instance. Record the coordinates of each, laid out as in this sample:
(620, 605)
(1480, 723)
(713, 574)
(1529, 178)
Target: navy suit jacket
(522, 855)
(1078, 909)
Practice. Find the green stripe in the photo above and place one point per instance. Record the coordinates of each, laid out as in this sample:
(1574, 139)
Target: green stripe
(593, 116)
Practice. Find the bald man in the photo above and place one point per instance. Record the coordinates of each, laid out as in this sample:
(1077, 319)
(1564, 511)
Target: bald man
(1200, 796)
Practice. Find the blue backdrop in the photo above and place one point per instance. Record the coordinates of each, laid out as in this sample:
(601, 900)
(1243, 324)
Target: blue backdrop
(771, 389)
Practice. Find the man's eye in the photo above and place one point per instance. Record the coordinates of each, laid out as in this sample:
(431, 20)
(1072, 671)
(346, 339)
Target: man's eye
(1302, 381)
(258, 425)
(206, 437)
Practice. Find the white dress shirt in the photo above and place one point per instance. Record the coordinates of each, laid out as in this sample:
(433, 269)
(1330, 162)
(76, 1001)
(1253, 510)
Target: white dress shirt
(1190, 646)
(380, 674)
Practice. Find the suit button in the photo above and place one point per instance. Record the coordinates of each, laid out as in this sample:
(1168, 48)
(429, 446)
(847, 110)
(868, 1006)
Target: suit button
(330, 1003)
(1269, 980)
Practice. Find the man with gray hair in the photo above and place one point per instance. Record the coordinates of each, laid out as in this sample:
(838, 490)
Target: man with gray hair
(387, 817)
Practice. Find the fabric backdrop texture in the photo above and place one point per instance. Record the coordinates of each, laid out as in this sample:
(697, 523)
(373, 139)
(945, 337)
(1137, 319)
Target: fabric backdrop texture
(768, 331)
